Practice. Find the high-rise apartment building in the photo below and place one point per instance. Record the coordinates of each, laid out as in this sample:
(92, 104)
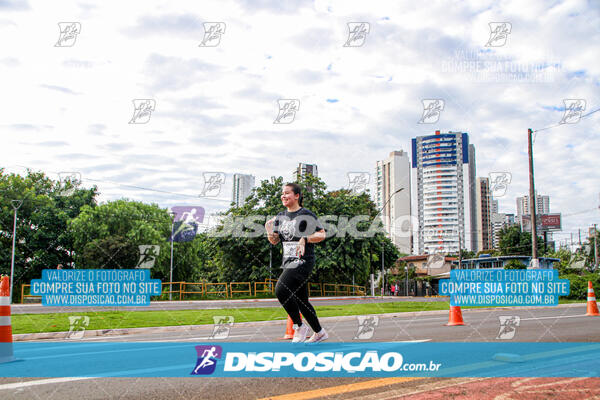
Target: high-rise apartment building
(483, 215)
(499, 221)
(443, 193)
(306, 169)
(242, 186)
(542, 205)
(393, 198)
(493, 205)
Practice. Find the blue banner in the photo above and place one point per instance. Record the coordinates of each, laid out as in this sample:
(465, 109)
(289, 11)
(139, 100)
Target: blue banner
(96, 287)
(500, 287)
(365, 359)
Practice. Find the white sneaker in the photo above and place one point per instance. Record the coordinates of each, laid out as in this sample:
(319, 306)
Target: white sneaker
(300, 333)
(318, 337)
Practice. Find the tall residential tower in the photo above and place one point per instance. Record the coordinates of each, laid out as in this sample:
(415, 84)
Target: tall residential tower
(242, 186)
(443, 193)
(392, 175)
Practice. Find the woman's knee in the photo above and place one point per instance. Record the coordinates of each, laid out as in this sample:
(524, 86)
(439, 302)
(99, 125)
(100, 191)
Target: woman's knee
(280, 290)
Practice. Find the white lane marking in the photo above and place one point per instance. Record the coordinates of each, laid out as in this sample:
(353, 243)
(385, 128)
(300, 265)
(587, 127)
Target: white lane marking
(559, 317)
(131, 335)
(18, 385)
(198, 338)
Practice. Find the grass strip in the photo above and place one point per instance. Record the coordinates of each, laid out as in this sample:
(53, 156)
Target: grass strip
(59, 322)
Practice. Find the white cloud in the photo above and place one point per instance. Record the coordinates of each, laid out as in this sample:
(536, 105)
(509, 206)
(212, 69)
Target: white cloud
(68, 108)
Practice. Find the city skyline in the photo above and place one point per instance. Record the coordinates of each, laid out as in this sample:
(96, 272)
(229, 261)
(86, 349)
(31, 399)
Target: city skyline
(214, 108)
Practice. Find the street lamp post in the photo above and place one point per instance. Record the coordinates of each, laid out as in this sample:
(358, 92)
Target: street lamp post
(382, 249)
(270, 260)
(406, 269)
(532, 208)
(382, 270)
(172, 214)
(16, 204)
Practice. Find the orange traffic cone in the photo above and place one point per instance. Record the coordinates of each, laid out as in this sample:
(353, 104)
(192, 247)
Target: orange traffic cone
(592, 307)
(455, 316)
(6, 342)
(289, 330)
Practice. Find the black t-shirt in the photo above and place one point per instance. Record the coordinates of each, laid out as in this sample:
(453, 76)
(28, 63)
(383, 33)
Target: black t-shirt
(291, 226)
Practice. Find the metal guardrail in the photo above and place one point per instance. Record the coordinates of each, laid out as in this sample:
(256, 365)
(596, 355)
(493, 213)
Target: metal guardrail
(267, 287)
(23, 295)
(315, 289)
(207, 290)
(228, 289)
(237, 284)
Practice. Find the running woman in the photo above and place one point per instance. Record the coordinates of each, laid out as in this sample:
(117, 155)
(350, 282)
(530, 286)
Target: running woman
(298, 229)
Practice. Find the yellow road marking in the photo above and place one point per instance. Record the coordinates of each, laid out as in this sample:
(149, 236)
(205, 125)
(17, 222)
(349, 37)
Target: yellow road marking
(352, 387)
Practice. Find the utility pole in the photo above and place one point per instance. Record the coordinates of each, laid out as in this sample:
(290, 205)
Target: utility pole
(382, 271)
(595, 248)
(173, 215)
(571, 242)
(532, 209)
(459, 252)
(579, 237)
(382, 244)
(16, 204)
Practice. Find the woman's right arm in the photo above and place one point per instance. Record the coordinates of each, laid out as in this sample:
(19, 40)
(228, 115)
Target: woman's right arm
(273, 237)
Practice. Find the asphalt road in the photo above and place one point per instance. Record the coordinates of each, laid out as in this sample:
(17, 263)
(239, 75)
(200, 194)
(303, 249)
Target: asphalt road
(554, 324)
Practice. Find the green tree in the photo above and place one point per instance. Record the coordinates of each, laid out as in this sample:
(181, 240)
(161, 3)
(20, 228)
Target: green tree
(515, 264)
(338, 258)
(108, 235)
(43, 238)
(513, 241)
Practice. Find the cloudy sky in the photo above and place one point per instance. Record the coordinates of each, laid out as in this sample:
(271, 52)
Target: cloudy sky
(67, 102)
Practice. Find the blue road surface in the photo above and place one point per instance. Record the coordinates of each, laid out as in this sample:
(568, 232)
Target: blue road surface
(178, 359)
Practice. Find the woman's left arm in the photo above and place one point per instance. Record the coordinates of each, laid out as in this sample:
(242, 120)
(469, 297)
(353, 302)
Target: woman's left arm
(316, 237)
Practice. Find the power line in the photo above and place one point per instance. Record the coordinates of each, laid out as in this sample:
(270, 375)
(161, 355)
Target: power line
(561, 124)
(139, 187)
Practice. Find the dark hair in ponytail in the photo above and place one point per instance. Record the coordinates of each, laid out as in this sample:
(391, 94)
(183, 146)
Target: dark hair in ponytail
(297, 190)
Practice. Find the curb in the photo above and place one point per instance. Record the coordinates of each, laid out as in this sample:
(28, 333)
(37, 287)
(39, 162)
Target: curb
(182, 328)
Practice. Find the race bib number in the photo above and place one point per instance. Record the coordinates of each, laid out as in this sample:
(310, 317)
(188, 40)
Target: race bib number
(289, 250)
